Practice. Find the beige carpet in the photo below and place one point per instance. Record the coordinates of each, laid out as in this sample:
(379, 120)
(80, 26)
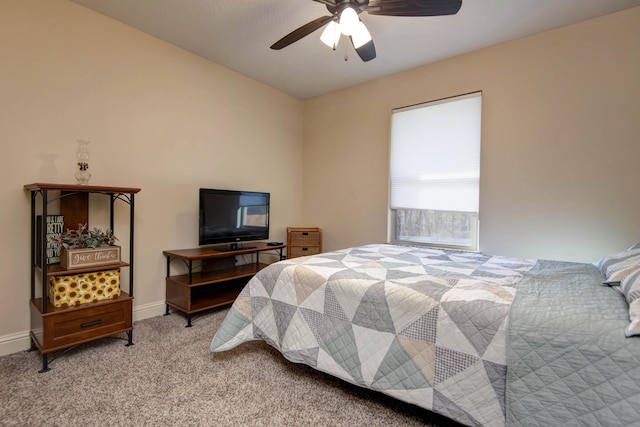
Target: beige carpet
(169, 378)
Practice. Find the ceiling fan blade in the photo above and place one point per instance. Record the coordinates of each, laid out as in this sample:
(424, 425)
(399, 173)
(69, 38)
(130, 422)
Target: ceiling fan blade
(299, 33)
(331, 3)
(413, 7)
(367, 51)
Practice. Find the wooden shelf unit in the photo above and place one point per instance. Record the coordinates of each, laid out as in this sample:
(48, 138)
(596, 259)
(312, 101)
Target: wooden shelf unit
(218, 281)
(57, 328)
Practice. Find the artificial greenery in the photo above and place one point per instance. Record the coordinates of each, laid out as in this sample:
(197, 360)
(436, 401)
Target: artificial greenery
(85, 238)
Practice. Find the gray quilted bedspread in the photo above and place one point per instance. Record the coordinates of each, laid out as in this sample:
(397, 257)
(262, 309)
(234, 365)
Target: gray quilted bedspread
(569, 362)
(425, 326)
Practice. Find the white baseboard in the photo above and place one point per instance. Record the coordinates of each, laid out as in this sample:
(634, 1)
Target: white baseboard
(21, 341)
(14, 343)
(148, 310)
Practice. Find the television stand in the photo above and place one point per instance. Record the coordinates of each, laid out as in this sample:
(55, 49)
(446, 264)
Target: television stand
(217, 281)
(234, 247)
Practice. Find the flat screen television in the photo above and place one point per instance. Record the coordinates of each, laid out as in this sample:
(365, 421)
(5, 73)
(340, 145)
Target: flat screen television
(228, 216)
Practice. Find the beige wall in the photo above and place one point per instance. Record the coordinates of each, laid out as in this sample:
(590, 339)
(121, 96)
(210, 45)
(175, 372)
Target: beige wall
(560, 143)
(560, 140)
(159, 118)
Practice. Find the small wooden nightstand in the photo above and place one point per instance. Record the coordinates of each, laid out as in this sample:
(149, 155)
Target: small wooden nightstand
(302, 241)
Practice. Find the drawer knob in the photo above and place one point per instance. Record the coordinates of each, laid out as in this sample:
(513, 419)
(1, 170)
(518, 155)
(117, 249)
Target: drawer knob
(86, 325)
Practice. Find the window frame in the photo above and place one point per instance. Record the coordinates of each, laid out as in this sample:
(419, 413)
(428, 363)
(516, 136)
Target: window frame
(392, 212)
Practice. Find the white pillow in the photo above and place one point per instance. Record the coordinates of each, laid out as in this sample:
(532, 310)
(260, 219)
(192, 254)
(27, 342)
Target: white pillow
(631, 289)
(616, 267)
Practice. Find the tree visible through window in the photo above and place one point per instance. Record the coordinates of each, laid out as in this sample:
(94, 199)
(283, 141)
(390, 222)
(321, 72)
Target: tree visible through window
(435, 172)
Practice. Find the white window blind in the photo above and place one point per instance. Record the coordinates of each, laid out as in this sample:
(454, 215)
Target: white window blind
(435, 155)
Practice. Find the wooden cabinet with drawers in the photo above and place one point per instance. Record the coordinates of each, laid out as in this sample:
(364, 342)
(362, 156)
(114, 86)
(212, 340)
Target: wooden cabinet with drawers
(60, 328)
(303, 241)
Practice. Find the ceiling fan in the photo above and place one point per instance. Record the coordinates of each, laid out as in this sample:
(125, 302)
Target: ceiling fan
(344, 20)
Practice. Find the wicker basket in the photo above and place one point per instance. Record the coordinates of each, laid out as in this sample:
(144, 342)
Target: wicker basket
(304, 238)
(296, 251)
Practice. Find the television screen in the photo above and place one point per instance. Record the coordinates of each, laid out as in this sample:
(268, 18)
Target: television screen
(233, 216)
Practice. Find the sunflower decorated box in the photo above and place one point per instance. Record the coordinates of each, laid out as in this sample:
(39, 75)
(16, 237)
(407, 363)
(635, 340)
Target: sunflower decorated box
(65, 291)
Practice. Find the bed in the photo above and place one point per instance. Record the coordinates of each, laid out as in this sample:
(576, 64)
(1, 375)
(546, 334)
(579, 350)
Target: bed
(484, 340)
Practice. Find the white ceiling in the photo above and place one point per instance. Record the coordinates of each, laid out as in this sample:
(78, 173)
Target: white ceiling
(237, 34)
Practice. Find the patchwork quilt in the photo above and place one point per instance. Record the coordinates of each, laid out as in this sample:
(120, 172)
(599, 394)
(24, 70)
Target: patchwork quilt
(425, 326)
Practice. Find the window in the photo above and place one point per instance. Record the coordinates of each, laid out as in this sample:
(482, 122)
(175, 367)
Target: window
(435, 172)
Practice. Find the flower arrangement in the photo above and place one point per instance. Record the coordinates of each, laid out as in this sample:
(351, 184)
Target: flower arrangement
(85, 238)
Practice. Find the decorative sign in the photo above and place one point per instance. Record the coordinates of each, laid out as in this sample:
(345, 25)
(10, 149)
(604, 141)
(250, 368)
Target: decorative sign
(89, 257)
(54, 226)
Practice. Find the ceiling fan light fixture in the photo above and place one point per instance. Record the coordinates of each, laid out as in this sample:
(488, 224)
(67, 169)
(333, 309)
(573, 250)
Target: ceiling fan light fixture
(343, 16)
(361, 35)
(331, 35)
(349, 21)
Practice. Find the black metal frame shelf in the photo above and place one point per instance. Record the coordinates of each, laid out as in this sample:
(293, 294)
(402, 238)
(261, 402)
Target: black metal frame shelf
(42, 310)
